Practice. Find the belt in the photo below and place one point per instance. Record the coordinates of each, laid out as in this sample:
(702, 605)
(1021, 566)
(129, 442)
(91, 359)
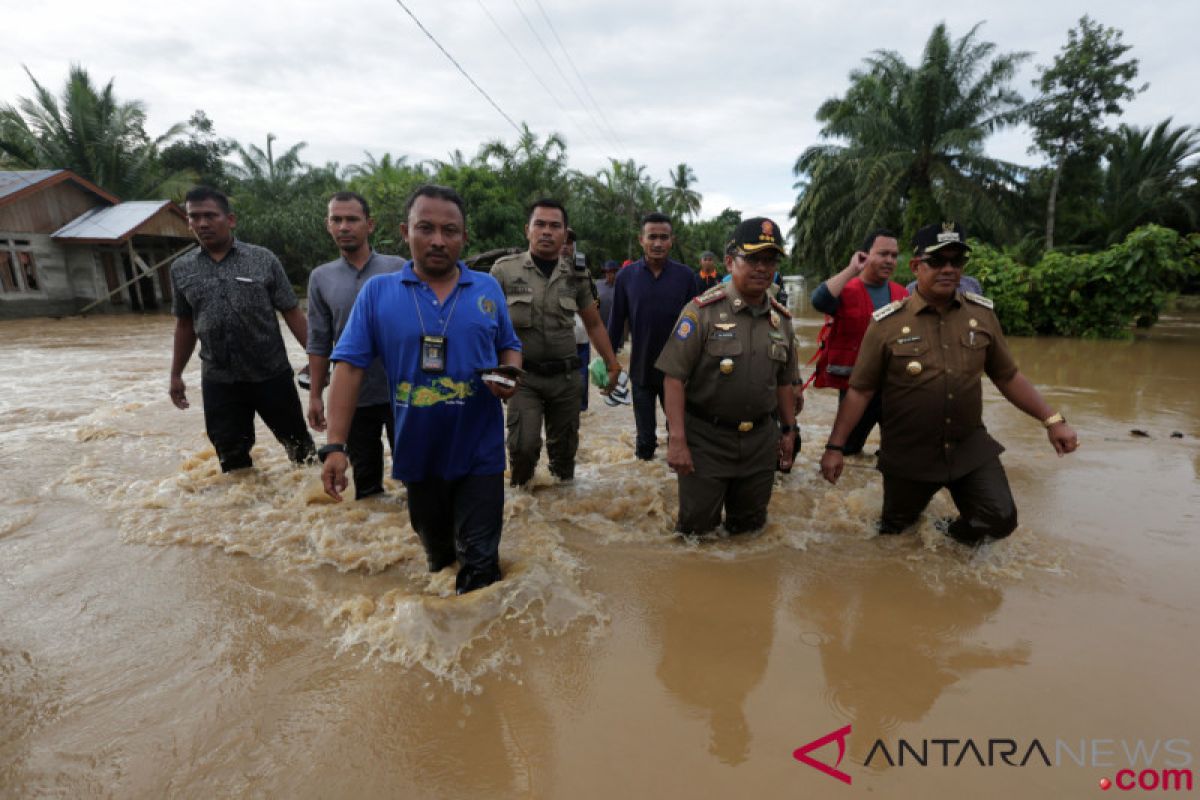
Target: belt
(741, 426)
(555, 367)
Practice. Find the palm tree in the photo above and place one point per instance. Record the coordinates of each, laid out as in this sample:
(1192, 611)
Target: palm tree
(1147, 178)
(93, 134)
(680, 199)
(533, 168)
(907, 147)
(622, 193)
(264, 173)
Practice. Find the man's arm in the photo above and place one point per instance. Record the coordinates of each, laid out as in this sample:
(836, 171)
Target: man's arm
(343, 398)
(507, 358)
(599, 337)
(1022, 394)
(849, 413)
(320, 345)
(679, 457)
(785, 399)
(835, 284)
(181, 352)
(297, 324)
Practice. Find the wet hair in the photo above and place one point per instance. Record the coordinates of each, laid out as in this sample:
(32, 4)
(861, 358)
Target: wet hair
(435, 192)
(200, 194)
(869, 242)
(549, 202)
(656, 216)
(346, 197)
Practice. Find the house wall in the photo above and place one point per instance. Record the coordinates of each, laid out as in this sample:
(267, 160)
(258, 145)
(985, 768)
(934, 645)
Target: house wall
(47, 210)
(55, 295)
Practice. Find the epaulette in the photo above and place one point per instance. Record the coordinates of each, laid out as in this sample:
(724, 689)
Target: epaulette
(711, 296)
(888, 310)
(781, 308)
(978, 299)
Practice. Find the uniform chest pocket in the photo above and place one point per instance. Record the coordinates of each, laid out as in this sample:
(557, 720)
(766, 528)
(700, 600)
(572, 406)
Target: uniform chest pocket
(975, 345)
(778, 351)
(567, 303)
(520, 310)
(719, 348)
(246, 295)
(909, 360)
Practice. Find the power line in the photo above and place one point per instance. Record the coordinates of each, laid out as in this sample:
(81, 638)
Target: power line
(578, 75)
(478, 88)
(562, 75)
(538, 78)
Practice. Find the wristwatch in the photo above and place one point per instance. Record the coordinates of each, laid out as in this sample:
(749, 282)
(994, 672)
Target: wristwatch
(1051, 421)
(330, 448)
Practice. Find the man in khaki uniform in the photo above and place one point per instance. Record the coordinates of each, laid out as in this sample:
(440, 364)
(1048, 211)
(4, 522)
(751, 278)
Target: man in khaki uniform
(926, 353)
(544, 294)
(729, 367)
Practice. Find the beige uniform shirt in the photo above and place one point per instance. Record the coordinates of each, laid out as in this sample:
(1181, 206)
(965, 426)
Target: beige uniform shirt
(929, 364)
(543, 309)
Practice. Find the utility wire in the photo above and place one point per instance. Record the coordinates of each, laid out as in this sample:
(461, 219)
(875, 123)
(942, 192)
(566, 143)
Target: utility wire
(578, 75)
(466, 75)
(583, 130)
(561, 74)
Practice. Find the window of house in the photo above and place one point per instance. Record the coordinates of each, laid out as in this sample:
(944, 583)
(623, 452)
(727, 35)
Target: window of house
(18, 267)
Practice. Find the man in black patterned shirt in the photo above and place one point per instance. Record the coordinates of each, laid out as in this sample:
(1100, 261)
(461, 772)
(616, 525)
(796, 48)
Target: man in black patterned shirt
(226, 295)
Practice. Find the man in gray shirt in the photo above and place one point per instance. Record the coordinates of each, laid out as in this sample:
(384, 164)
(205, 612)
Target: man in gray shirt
(226, 295)
(332, 289)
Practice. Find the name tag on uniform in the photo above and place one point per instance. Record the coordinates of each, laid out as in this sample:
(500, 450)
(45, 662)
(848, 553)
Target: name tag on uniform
(723, 335)
(243, 279)
(908, 339)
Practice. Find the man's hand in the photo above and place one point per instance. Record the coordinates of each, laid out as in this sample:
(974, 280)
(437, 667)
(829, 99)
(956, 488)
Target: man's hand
(316, 413)
(831, 465)
(1063, 437)
(787, 449)
(503, 392)
(858, 262)
(679, 457)
(333, 475)
(614, 372)
(178, 392)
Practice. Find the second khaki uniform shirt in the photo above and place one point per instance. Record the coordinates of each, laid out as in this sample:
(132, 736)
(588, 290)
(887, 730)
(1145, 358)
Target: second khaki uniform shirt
(543, 309)
(929, 364)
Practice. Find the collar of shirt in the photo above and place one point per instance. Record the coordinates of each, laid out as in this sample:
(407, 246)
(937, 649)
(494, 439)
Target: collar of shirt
(710, 274)
(366, 265)
(918, 304)
(739, 302)
(233, 246)
(466, 276)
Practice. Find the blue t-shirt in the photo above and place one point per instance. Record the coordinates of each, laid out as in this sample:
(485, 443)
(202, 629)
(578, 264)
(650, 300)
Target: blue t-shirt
(448, 424)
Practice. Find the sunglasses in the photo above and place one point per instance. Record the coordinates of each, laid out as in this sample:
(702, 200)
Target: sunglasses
(767, 260)
(937, 260)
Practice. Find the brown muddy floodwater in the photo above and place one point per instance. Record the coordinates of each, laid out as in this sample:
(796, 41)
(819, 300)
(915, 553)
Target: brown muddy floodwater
(166, 631)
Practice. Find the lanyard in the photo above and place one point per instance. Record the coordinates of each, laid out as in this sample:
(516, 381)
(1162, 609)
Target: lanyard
(421, 319)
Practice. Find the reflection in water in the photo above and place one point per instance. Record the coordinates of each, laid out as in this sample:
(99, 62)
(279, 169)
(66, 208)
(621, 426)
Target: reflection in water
(717, 626)
(891, 644)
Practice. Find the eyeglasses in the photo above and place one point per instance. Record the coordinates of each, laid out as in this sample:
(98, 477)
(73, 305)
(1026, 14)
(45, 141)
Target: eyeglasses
(761, 260)
(937, 260)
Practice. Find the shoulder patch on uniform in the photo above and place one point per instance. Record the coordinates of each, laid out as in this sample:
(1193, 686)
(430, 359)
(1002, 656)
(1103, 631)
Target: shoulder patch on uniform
(686, 325)
(781, 308)
(888, 310)
(711, 296)
(978, 299)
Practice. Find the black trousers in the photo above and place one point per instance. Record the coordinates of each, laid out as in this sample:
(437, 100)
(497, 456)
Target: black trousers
(984, 501)
(229, 410)
(460, 520)
(364, 447)
(870, 418)
(645, 396)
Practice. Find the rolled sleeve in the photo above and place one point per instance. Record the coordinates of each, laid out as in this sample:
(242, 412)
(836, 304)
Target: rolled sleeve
(824, 301)
(356, 345)
(506, 336)
(320, 321)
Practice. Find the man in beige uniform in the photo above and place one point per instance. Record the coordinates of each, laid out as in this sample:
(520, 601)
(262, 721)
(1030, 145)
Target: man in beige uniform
(926, 353)
(544, 294)
(729, 367)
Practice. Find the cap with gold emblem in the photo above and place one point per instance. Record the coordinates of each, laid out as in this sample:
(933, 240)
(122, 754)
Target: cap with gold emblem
(756, 234)
(934, 237)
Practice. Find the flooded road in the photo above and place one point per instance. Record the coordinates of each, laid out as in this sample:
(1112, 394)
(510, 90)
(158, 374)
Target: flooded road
(166, 630)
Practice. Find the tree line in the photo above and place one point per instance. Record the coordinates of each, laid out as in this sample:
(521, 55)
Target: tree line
(904, 145)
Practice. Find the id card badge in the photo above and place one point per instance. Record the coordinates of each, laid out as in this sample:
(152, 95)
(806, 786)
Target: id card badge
(433, 353)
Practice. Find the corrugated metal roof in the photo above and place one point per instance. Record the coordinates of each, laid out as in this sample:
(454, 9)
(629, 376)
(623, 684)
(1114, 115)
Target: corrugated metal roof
(15, 181)
(113, 224)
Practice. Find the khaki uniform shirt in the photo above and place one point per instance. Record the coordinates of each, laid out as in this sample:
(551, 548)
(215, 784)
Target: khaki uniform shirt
(731, 357)
(543, 309)
(928, 365)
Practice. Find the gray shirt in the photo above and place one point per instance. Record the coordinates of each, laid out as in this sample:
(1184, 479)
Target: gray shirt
(232, 304)
(332, 289)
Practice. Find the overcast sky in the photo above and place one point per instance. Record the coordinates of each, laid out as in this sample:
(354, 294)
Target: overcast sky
(730, 88)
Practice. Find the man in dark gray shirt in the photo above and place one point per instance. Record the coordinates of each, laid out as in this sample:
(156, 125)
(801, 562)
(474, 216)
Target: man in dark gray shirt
(226, 295)
(332, 289)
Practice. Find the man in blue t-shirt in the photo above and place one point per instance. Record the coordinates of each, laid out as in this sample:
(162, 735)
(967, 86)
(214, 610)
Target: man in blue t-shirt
(439, 329)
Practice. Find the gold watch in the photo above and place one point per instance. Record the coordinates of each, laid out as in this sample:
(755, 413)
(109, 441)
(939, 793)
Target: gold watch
(1051, 421)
